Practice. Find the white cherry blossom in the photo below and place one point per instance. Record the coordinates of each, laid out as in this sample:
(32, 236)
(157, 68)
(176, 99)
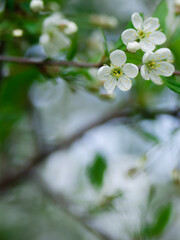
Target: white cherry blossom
(56, 34)
(156, 64)
(119, 73)
(146, 33)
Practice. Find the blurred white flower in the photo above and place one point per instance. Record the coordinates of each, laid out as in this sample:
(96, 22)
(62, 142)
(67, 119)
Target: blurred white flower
(133, 47)
(119, 73)
(104, 21)
(64, 25)
(157, 64)
(17, 32)
(56, 31)
(177, 3)
(36, 5)
(53, 41)
(146, 33)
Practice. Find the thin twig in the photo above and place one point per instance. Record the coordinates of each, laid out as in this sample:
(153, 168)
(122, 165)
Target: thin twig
(13, 179)
(40, 62)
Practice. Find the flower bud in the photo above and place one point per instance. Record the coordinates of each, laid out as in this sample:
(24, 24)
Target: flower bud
(17, 33)
(133, 47)
(36, 5)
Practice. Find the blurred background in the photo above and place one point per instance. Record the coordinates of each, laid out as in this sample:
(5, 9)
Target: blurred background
(76, 163)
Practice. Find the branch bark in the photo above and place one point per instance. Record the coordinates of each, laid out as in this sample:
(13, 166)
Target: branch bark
(40, 62)
(135, 114)
(66, 206)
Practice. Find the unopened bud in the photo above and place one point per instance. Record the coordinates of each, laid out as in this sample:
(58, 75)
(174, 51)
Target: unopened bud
(36, 5)
(17, 32)
(133, 47)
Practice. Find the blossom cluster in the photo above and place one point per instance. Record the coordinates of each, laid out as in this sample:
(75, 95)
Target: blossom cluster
(144, 36)
(56, 34)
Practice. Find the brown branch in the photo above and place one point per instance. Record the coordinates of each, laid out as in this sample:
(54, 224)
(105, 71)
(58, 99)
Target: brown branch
(135, 114)
(40, 62)
(66, 206)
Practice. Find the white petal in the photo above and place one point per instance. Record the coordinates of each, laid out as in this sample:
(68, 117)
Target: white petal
(124, 83)
(144, 72)
(130, 70)
(148, 56)
(137, 20)
(157, 37)
(146, 46)
(163, 53)
(165, 69)
(155, 78)
(151, 24)
(118, 58)
(129, 35)
(104, 72)
(110, 84)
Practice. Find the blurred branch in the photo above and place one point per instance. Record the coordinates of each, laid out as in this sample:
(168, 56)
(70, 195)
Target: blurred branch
(126, 114)
(40, 62)
(67, 207)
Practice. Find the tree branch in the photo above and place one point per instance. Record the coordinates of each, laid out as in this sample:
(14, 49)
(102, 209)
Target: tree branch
(133, 114)
(40, 62)
(66, 206)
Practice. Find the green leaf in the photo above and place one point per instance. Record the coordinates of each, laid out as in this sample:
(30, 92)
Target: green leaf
(174, 45)
(73, 48)
(162, 219)
(172, 83)
(135, 58)
(161, 12)
(106, 51)
(14, 99)
(96, 171)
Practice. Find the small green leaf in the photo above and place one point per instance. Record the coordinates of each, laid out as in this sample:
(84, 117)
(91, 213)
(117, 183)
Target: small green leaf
(73, 48)
(161, 12)
(96, 171)
(106, 51)
(172, 83)
(162, 219)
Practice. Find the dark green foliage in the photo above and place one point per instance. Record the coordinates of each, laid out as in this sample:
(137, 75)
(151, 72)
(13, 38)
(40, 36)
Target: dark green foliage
(161, 13)
(162, 219)
(14, 99)
(96, 170)
(173, 83)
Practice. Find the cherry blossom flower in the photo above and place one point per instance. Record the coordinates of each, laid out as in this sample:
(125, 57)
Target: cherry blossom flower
(119, 73)
(56, 34)
(157, 64)
(146, 34)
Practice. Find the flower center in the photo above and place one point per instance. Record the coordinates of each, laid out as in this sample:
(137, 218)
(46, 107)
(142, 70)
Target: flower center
(141, 34)
(152, 65)
(116, 72)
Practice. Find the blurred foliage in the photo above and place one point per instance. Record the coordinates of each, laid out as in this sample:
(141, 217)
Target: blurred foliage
(30, 214)
(96, 170)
